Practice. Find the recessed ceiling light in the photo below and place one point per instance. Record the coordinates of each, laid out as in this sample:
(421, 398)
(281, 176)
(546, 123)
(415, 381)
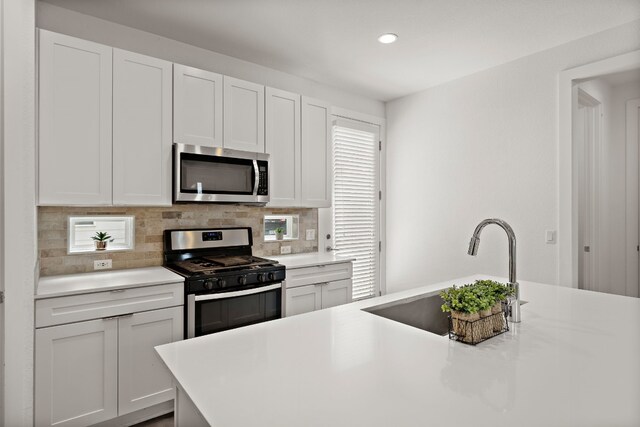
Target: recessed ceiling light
(388, 38)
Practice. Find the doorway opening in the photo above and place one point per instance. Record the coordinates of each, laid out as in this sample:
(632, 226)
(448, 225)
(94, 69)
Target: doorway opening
(588, 125)
(598, 176)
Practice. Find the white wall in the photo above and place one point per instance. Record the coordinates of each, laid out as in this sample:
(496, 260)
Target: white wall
(65, 21)
(18, 182)
(481, 146)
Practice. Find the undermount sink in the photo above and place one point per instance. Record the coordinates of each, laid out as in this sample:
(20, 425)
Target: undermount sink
(422, 312)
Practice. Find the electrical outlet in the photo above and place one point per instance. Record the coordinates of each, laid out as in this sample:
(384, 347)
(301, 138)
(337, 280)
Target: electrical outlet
(285, 250)
(311, 234)
(102, 264)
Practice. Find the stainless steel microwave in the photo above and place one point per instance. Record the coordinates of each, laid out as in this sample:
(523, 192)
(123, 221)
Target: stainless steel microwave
(219, 175)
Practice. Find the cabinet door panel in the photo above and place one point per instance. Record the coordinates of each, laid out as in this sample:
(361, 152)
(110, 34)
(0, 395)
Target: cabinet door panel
(76, 369)
(243, 115)
(143, 379)
(336, 293)
(74, 147)
(316, 153)
(283, 144)
(141, 130)
(197, 106)
(303, 299)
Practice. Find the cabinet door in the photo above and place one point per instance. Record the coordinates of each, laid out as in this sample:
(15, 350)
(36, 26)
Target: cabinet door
(143, 378)
(76, 368)
(141, 130)
(243, 115)
(197, 106)
(336, 293)
(283, 144)
(74, 147)
(316, 154)
(303, 299)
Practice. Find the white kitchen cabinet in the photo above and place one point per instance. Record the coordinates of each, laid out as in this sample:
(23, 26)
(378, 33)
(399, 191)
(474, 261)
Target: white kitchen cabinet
(197, 106)
(336, 293)
(76, 373)
(141, 129)
(74, 119)
(283, 144)
(104, 365)
(316, 287)
(243, 115)
(143, 380)
(303, 299)
(315, 161)
(104, 125)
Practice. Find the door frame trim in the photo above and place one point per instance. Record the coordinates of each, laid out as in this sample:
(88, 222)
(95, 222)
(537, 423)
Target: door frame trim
(632, 155)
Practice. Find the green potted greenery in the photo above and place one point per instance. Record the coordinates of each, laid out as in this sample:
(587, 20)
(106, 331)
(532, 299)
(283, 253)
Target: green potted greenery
(476, 309)
(279, 233)
(101, 239)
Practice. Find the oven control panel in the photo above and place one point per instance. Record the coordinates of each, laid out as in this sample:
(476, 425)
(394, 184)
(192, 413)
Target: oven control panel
(211, 236)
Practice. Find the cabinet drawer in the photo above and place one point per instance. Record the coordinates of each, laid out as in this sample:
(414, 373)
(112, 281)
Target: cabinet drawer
(318, 274)
(76, 308)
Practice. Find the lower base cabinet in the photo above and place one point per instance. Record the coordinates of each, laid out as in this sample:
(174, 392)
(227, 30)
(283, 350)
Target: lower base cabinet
(95, 370)
(316, 287)
(304, 299)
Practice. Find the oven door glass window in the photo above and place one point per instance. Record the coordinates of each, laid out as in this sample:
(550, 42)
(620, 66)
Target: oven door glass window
(228, 313)
(216, 175)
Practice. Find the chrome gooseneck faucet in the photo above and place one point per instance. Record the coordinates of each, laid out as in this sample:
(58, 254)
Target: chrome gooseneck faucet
(514, 308)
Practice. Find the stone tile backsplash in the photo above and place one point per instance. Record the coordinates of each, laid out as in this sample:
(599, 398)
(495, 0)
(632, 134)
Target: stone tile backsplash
(150, 222)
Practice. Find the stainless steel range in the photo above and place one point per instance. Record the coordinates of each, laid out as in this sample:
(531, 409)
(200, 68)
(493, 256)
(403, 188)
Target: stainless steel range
(225, 285)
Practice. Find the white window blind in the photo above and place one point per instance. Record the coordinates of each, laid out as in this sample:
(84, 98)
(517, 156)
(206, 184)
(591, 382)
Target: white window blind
(355, 203)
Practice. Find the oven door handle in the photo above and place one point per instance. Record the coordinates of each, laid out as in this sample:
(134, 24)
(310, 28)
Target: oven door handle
(222, 295)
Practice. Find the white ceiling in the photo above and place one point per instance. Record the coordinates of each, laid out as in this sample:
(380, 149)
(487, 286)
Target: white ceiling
(334, 41)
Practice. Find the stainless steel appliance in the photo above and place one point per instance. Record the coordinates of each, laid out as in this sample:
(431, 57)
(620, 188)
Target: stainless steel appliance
(210, 174)
(225, 285)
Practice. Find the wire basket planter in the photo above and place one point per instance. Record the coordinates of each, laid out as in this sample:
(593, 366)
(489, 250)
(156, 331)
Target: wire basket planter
(476, 328)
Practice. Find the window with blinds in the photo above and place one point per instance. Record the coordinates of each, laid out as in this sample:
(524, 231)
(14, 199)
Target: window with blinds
(355, 202)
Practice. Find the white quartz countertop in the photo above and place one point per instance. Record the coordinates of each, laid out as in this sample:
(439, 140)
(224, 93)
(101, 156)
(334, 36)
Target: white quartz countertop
(574, 360)
(70, 284)
(310, 259)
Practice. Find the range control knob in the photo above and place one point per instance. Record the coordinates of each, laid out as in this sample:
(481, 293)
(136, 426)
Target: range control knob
(242, 280)
(208, 284)
(261, 277)
(271, 276)
(222, 283)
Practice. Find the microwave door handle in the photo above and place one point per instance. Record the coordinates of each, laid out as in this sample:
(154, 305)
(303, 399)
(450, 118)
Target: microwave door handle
(223, 295)
(256, 181)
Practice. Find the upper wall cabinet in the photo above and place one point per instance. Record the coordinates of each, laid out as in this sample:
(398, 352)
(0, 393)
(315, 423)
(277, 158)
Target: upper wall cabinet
(197, 106)
(87, 91)
(283, 144)
(74, 150)
(243, 115)
(316, 153)
(141, 129)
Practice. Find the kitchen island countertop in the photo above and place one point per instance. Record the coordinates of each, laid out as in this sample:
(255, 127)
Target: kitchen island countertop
(574, 360)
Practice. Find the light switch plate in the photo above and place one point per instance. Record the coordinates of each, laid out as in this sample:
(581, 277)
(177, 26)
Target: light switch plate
(285, 250)
(311, 234)
(102, 264)
(550, 236)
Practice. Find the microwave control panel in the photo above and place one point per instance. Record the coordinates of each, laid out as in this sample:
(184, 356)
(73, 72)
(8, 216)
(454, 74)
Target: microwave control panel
(263, 179)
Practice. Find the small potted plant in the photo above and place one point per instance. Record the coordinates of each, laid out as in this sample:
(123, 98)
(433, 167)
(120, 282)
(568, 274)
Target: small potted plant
(279, 233)
(476, 309)
(464, 305)
(101, 239)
